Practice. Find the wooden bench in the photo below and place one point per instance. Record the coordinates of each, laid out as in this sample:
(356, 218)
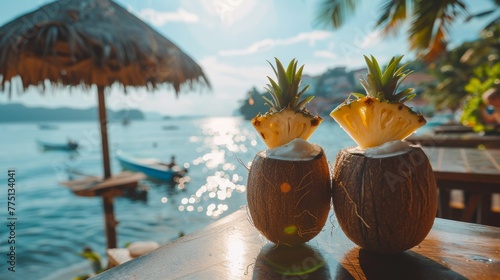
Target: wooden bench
(97, 186)
(116, 185)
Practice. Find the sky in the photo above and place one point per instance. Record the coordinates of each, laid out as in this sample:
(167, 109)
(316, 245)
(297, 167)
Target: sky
(232, 40)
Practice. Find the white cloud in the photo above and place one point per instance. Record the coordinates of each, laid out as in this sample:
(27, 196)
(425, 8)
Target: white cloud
(161, 18)
(371, 39)
(238, 78)
(324, 54)
(267, 44)
(230, 82)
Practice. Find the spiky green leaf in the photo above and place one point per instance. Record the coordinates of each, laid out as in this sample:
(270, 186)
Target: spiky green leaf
(404, 95)
(358, 95)
(299, 95)
(282, 77)
(384, 84)
(285, 89)
(290, 70)
(391, 69)
(303, 103)
(270, 103)
(378, 72)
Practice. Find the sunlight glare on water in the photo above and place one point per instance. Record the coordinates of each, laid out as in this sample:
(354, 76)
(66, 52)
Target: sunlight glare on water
(224, 137)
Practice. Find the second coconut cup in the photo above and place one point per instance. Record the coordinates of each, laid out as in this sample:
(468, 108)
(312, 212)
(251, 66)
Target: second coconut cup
(384, 191)
(385, 204)
(289, 184)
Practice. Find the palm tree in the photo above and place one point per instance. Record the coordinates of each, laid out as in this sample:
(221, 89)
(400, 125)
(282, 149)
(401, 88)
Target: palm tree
(430, 20)
(452, 75)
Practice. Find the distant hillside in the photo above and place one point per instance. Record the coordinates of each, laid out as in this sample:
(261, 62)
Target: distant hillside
(21, 113)
(334, 86)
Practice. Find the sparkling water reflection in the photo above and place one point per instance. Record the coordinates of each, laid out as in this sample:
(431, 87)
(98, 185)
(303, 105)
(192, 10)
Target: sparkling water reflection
(225, 138)
(56, 224)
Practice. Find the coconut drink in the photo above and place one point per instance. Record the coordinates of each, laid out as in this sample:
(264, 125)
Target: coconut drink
(289, 184)
(384, 191)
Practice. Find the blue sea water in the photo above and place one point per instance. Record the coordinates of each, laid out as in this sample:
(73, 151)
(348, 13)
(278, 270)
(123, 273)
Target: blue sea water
(54, 225)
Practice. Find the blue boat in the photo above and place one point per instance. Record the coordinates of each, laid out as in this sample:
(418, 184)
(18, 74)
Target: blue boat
(153, 168)
(45, 126)
(68, 146)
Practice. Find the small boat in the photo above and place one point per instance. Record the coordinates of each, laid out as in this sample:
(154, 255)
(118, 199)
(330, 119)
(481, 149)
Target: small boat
(153, 168)
(68, 146)
(46, 126)
(170, 127)
(125, 121)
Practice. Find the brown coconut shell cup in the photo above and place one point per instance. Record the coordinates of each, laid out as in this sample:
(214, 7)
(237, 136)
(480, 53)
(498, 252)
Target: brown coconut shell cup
(385, 205)
(289, 200)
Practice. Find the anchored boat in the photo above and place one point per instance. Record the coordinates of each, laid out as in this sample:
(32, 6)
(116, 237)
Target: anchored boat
(152, 167)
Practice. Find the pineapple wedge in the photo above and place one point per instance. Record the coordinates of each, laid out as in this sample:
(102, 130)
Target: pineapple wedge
(279, 128)
(380, 116)
(287, 118)
(371, 123)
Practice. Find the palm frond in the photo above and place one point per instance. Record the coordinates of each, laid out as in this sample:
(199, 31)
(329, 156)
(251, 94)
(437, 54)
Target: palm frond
(336, 12)
(428, 33)
(394, 13)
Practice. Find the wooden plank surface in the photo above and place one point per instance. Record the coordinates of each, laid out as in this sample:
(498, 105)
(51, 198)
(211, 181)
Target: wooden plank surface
(470, 140)
(472, 170)
(465, 164)
(452, 129)
(232, 248)
(94, 186)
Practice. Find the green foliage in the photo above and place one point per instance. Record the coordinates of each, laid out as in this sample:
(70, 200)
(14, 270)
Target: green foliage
(383, 85)
(485, 78)
(489, 75)
(471, 115)
(285, 93)
(455, 69)
(94, 259)
(452, 75)
(428, 21)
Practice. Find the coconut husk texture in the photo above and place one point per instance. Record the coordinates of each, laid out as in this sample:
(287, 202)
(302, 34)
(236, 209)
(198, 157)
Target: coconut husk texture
(289, 200)
(386, 205)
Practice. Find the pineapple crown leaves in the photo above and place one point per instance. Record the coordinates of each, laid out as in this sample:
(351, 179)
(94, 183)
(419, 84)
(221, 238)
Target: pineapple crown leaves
(285, 92)
(383, 85)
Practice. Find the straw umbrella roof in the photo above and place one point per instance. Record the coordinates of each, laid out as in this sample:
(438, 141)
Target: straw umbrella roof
(91, 42)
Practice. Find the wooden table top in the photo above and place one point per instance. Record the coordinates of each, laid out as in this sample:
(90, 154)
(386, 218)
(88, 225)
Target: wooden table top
(232, 248)
(465, 164)
(471, 140)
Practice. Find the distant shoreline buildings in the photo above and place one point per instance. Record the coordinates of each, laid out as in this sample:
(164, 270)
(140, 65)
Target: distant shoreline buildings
(333, 87)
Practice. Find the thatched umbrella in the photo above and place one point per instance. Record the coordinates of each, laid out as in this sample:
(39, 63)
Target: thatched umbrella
(91, 42)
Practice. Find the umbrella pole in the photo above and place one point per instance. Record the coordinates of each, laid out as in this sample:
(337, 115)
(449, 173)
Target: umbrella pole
(107, 199)
(109, 218)
(103, 120)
